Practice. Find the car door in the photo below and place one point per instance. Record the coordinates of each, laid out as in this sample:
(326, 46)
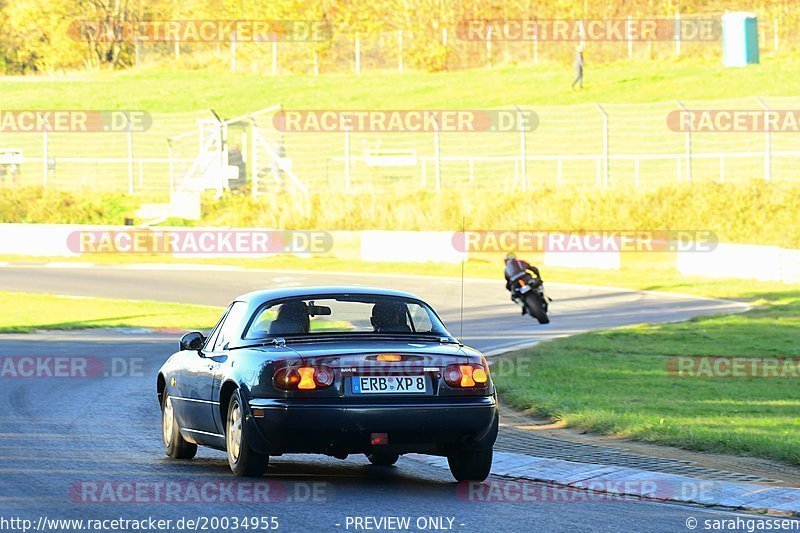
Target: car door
(217, 356)
(194, 387)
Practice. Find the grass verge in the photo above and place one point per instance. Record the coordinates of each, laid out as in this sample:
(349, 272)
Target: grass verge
(617, 382)
(752, 212)
(610, 382)
(27, 312)
(169, 90)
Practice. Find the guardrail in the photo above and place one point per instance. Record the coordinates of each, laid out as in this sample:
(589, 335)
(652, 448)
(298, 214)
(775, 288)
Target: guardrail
(744, 261)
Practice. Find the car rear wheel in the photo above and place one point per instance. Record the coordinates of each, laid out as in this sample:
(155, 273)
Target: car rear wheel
(383, 458)
(471, 465)
(242, 459)
(175, 446)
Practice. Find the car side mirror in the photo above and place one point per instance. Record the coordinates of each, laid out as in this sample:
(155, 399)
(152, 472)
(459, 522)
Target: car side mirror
(192, 341)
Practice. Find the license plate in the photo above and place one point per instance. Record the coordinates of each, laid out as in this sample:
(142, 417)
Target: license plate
(524, 289)
(389, 385)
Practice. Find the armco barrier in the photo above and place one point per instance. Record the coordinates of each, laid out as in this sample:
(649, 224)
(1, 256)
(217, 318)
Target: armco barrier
(745, 261)
(410, 247)
(41, 240)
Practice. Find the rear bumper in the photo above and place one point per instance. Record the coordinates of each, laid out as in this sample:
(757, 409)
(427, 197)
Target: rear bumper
(437, 427)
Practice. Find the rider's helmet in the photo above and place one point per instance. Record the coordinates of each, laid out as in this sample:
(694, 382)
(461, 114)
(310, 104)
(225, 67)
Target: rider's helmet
(510, 256)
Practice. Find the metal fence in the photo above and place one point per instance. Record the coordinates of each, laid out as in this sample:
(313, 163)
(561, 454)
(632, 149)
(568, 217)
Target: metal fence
(590, 145)
(440, 47)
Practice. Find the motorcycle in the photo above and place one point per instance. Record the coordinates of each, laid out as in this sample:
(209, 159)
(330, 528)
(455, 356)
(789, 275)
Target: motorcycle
(528, 293)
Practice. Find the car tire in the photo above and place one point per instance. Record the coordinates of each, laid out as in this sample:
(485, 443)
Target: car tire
(471, 465)
(175, 446)
(383, 458)
(244, 462)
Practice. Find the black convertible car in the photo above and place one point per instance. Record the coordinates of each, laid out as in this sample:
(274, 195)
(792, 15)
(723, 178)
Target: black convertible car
(331, 370)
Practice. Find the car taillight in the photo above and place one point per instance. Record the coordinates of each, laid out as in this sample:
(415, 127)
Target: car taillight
(466, 376)
(306, 378)
(302, 378)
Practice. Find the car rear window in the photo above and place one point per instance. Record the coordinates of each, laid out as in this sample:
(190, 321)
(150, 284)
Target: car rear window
(348, 314)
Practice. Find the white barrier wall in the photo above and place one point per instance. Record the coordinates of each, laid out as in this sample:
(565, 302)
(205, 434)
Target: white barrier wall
(767, 263)
(410, 247)
(602, 260)
(44, 240)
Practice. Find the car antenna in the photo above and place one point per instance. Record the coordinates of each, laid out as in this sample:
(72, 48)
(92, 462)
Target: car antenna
(464, 238)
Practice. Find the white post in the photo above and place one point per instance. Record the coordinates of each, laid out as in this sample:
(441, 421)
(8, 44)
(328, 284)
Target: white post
(171, 166)
(605, 145)
(489, 47)
(471, 171)
(437, 153)
(400, 51)
(523, 155)
(254, 160)
(136, 51)
(130, 155)
(536, 46)
(775, 34)
(767, 142)
(628, 35)
(347, 156)
(688, 147)
(274, 57)
(177, 49)
(222, 159)
(316, 63)
(444, 44)
(677, 33)
(358, 55)
(44, 154)
(233, 53)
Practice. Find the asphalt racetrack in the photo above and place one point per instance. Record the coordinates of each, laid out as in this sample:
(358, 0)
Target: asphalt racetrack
(90, 448)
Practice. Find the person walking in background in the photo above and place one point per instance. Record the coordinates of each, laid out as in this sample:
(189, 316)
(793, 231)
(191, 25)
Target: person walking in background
(578, 65)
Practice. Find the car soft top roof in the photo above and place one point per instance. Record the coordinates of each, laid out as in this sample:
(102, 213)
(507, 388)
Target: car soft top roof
(257, 297)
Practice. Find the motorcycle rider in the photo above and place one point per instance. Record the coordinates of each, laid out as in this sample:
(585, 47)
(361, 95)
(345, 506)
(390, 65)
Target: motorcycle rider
(515, 269)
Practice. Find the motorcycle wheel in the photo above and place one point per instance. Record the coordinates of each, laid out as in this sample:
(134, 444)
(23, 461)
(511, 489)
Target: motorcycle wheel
(536, 309)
